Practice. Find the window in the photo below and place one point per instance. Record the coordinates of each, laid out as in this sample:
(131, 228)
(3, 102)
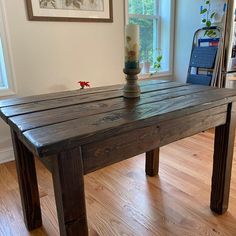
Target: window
(145, 14)
(155, 18)
(6, 80)
(3, 74)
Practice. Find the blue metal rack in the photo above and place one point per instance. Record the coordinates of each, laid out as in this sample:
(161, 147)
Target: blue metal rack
(203, 59)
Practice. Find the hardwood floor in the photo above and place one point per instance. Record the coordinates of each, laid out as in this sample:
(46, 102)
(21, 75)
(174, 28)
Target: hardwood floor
(121, 200)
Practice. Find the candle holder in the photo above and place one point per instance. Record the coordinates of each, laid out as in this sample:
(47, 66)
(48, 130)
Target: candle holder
(131, 89)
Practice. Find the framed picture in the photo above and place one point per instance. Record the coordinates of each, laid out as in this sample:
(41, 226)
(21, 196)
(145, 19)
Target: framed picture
(70, 10)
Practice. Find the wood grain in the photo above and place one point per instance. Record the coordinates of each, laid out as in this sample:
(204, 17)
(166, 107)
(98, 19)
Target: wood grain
(42, 118)
(68, 182)
(28, 185)
(80, 99)
(109, 151)
(50, 139)
(152, 162)
(109, 129)
(176, 129)
(122, 200)
(51, 96)
(223, 157)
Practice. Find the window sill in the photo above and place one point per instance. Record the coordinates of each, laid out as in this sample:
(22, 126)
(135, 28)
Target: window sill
(4, 92)
(164, 75)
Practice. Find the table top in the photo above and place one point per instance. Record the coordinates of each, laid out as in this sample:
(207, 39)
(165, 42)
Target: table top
(53, 122)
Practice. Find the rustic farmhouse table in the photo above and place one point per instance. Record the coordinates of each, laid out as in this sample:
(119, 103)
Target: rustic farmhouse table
(74, 133)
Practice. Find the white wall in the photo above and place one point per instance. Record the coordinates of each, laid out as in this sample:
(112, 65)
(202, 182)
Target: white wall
(53, 56)
(188, 20)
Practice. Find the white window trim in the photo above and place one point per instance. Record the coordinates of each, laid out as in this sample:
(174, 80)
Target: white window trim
(11, 88)
(171, 51)
(155, 17)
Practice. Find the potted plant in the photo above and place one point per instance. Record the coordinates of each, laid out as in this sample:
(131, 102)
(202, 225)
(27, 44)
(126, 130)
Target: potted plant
(146, 62)
(158, 62)
(207, 19)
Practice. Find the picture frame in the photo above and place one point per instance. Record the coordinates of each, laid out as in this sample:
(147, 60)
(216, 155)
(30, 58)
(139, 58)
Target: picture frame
(70, 10)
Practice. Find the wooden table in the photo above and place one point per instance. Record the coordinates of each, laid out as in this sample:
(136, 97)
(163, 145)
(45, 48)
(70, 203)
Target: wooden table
(74, 133)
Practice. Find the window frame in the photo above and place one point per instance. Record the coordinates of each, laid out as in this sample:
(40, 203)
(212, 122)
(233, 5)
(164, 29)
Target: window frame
(156, 26)
(160, 4)
(10, 88)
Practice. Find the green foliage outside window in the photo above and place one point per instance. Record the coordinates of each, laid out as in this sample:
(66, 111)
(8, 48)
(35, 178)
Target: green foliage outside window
(142, 7)
(207, 20)
(138, 10)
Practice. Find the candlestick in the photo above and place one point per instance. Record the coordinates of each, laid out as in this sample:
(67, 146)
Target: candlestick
(132, 89)
(132, 46)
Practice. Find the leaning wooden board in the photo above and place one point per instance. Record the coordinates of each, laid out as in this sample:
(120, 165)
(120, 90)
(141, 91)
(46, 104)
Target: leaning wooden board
(76, 132)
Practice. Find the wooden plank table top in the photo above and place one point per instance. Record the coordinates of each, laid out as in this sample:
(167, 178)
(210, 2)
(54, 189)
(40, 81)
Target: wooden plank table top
(81, 116)
(76, 132)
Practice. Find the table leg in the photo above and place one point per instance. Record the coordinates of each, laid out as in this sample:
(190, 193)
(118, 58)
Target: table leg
(222, 163)
(152, 162)
(68, 183)
(28, 185)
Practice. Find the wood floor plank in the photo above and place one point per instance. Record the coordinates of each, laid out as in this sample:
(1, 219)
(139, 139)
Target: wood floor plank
(170, 213)
(121, 200)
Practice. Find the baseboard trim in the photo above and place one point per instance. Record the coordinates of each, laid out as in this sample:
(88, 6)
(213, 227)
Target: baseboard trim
(6, 155)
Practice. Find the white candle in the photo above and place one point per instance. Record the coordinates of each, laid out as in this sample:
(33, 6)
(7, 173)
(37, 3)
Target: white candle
(132, 46)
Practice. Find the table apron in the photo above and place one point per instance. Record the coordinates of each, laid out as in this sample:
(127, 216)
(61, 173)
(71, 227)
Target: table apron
(118, 148)
(176, 129)
(103, 153)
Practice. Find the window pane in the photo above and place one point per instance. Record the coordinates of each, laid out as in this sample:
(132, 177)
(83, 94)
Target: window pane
(1, 81)
(3, 74)
(146, 38)
(142, 7)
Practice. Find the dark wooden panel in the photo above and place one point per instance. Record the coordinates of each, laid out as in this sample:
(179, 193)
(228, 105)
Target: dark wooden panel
(50, 139)
(48, 162)
(64, 94)
(152, 162)
(6, 112)
(52, 96)
(28, 185)
(118, 148)
(222, 165)
(49, 117)
(108, 151)
(186, 126)
(68, 184)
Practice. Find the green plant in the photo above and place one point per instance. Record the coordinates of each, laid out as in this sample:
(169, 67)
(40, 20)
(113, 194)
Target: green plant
(157, 63)
(207, 20)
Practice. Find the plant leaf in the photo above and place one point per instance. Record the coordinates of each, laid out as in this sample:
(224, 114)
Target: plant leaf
(203, 11)
(212, 15)
(208, 23)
